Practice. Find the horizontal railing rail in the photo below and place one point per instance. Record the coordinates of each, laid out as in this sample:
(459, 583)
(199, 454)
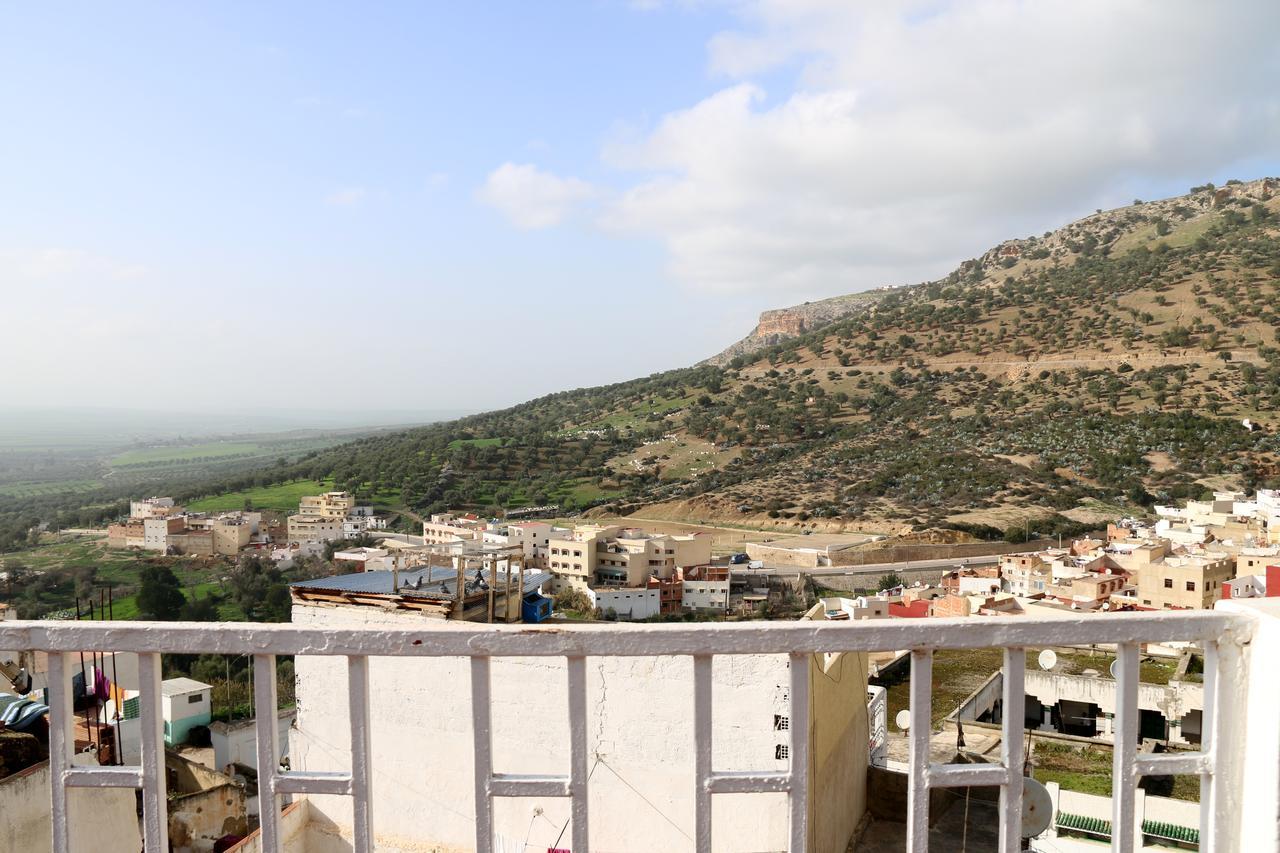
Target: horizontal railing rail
(480, 643)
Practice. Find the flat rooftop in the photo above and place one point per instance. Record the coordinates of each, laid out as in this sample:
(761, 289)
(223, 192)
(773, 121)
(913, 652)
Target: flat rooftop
(420, 582)
(180, 686)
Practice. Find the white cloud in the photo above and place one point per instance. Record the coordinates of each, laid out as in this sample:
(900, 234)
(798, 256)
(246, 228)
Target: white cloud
(920, 133)
(531, 198)
(346, 197)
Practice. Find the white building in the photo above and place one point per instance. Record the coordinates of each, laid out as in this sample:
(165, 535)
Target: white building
(446, 527)
(531, 536)
(237, 743)
(151, 508)
(627, 602)
(366, 559)
(184, 705)
(102, 820)
(638, 734)
(705, 595)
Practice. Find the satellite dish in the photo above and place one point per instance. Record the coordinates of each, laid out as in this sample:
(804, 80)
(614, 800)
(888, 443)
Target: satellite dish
(1048, 659)
(903, 720)
(1112, 670)
(1037, 808)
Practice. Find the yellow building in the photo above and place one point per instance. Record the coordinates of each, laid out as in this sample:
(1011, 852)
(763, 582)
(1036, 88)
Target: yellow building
(329, 505)
(1184, 580)
(611, 555)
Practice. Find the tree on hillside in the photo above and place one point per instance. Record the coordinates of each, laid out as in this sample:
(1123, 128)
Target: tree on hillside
(889, 581)
(259, 588)
(160, 597)
(200, 609)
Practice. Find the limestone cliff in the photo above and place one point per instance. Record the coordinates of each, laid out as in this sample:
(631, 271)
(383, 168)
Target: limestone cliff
(779, 324)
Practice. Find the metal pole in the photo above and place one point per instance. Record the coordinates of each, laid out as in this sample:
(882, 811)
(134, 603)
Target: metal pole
(115, 680)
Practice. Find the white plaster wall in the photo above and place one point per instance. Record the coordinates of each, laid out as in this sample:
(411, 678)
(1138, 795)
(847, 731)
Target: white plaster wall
(628, 603)
(101, 820)
(639, 727)
(705, 595)
(240, 745)
(180, 707)
(1050, 688)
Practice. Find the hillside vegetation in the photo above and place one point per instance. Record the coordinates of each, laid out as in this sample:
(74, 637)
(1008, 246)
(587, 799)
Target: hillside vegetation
(1052, 382)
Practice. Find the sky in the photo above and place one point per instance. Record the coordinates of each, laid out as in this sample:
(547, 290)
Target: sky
(457, 206)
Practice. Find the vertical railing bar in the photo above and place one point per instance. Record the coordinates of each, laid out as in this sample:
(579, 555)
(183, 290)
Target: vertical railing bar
(1124, 750)
(361, 752)
(920, 730)
(1209, 734)
(577, 672)
(799, 752)
(61, 742)
(155, 805)
(702, 750)
(1014, 705)
(264, 709)
(482, 722)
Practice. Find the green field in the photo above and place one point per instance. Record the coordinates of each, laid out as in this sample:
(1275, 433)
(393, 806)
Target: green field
(57, 562)
(281, 498)
(31, 490)
(180, 453)
(586, 491)
(127, 607)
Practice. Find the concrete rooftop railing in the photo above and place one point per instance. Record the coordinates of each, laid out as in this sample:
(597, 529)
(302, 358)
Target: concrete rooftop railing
(1238, 762)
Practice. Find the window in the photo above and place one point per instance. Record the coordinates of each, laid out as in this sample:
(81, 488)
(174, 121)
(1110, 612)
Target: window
(1168, 583)
(577, 553)
(782, 752)
(1191, 586)
(194, 699)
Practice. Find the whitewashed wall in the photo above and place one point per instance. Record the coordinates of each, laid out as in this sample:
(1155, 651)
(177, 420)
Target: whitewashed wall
(102, 820)
(640, 739)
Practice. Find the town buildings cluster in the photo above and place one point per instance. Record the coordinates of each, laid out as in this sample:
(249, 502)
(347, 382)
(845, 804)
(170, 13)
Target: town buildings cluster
(1188, 559)
(160, 524)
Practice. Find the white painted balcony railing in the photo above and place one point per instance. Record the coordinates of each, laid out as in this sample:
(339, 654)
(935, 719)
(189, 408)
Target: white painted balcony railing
(1238, 762)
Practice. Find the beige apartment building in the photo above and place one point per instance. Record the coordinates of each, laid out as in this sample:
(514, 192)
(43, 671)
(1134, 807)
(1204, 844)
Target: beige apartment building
(305, 529)
(231, 531)
(193, 543)
(1184, 581)
(446, 527)
(329, 505)
(320, 518)
(1025, 574)
(129, 534)
(611, 555)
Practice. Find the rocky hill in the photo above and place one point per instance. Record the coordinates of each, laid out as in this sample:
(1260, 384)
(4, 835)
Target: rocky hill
(1049, 383)
(781, 324)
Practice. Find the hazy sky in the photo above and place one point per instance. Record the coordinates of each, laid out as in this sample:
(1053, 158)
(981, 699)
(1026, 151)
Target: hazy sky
(462, 205)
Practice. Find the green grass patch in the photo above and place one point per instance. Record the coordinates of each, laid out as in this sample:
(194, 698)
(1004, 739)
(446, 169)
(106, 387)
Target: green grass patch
(183, 453)
(32, 490)
(281, 498)
(586, 490)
